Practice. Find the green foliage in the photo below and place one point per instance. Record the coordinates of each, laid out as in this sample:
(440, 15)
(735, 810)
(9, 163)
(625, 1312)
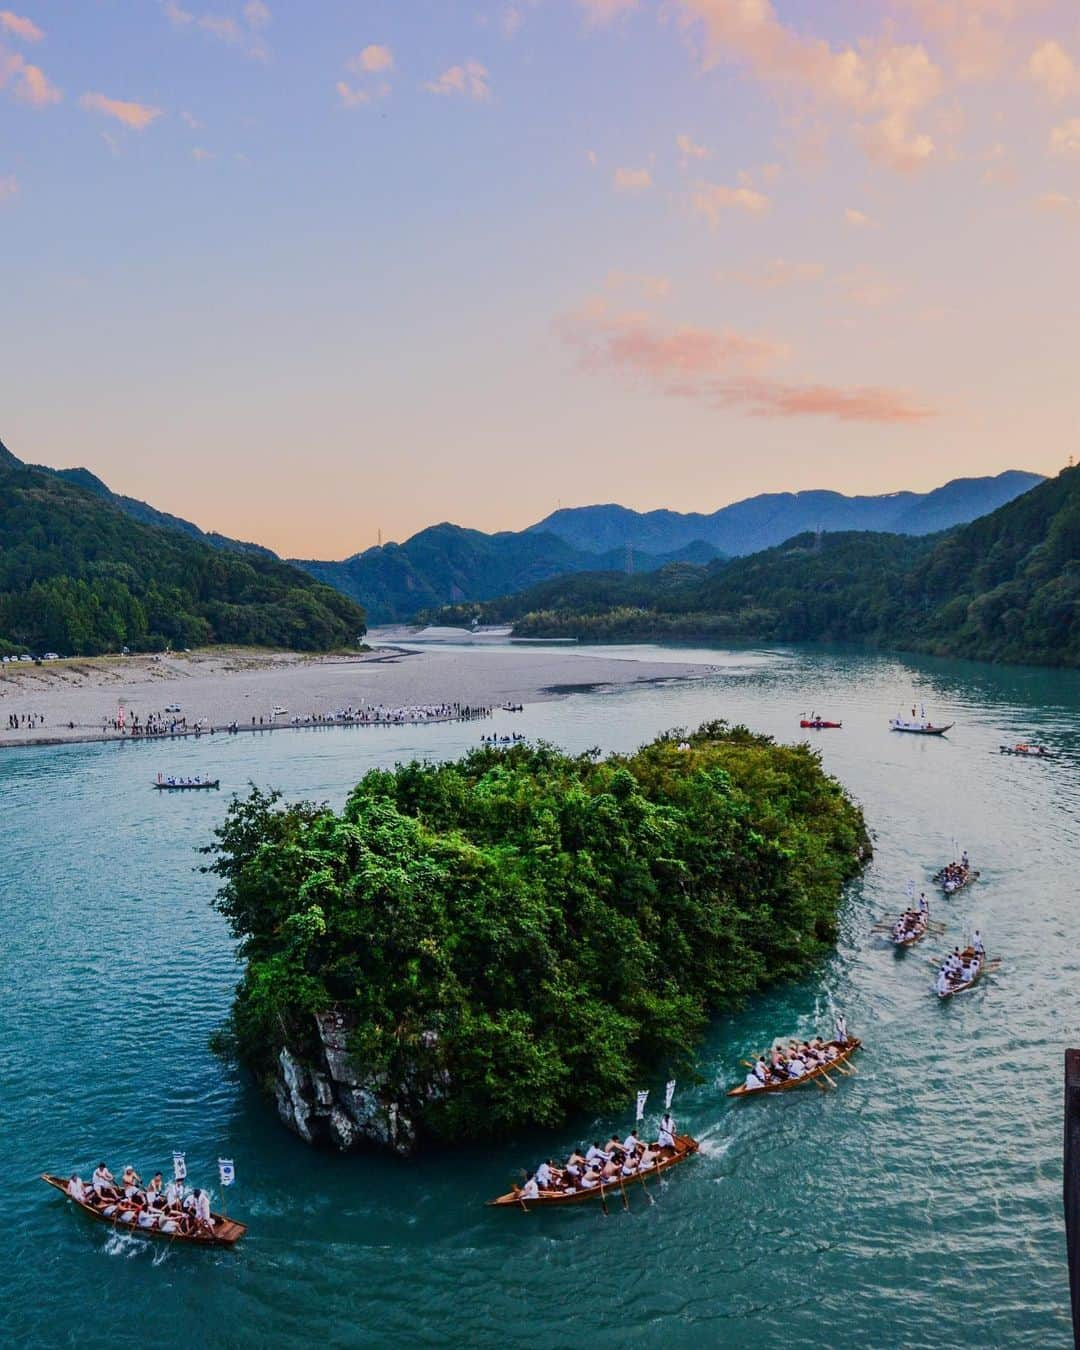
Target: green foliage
(523, 934)
(1004, 588)
(79, 577)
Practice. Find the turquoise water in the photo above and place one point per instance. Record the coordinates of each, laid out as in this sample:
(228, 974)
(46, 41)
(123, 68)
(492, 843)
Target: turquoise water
(917, 1205)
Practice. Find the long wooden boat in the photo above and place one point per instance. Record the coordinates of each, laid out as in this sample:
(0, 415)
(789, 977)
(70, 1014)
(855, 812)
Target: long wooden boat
(965, 985)
(972, 875)
(821, 1069)
(226, 1231)
(685, 1147)
(919, 728)
(920, 932)
(1027, 751)
(817, 724)
(187, 787)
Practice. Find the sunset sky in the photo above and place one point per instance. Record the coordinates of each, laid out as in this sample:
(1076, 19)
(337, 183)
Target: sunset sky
(304, 271)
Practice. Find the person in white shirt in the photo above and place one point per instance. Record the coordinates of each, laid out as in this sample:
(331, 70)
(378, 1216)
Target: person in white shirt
(631, 1143)
(796, 1068)
(543, 1176)
(104, 1183)
(666, 1137)
(753, 1082)
(174, 1193)
(76, 1188)
(595, 1153)
(530, 1191)
(977, 944)
(943, 984)
(841, 1028)
(202, 1207)
(924, 904)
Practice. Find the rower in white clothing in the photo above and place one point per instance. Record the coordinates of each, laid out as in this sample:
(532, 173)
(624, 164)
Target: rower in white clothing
(753, 1082)
(977, 945)
(76, 1188)
(631, 1143)
(543, 1176)
(924, 904)
(530, 1191)
(666, 1134)
(841, 1028)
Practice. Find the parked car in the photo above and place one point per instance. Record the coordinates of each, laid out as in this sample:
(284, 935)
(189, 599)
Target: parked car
(172, 707)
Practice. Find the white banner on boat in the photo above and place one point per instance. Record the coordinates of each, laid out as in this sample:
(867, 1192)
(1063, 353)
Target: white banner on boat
(179, 1166)
(642, 1097)
(669, 1093)
(226, 1171)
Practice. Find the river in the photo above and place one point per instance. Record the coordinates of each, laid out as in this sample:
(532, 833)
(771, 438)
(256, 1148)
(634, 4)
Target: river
(918, 1204)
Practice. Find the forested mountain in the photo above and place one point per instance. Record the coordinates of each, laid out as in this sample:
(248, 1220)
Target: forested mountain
(150, 515)
(1006, 587)
(770, 518)
(446, 563)
(79, 576)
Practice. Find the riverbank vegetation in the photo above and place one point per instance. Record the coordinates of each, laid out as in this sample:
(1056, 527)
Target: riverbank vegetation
(522, 934)
(1004, 588)
(80, 577)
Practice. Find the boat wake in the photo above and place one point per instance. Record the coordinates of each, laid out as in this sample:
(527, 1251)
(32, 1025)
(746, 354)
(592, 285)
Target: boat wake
(123, 1244)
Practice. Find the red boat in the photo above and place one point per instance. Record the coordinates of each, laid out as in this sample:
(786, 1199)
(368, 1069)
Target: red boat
(816, 724)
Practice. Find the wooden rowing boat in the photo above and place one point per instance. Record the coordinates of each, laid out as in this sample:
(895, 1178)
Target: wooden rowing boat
(970, 876)
(685, 1147)
(819, 1071)
(817, 724)
(917, 936)
(187, 787)
(1026, 751)
(965, 985)
(226, 1231)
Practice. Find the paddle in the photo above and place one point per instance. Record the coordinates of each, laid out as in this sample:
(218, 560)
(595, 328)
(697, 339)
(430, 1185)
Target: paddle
(622, 1188)
(603, 1199)
(827, 1079)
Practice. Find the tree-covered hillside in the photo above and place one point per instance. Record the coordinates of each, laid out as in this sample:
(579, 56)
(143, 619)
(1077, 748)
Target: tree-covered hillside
(79, 576)
(1005, 587)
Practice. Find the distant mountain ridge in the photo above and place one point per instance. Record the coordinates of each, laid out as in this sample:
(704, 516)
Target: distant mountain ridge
(770, 518)
(446, 564)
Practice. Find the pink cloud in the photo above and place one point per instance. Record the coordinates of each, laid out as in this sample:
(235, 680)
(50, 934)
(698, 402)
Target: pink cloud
(632, 180)
(974, 34)
(372, 59)
(135, 116)
(469, 80)
(1065, 139)
(858, 220)
(354, 97)
(19, 27)
(720, 368)
(256, 14)
(28, 83)
(711, 200)
(1052, 68)
(776, 398)
(881, 85)
(689, 149)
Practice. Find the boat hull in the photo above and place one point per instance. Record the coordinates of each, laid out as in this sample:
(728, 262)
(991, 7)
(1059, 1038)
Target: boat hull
(226, 1232)
(820, 726)
(743, 1091)
(922, 731)
(187, 787)
(685, 1147)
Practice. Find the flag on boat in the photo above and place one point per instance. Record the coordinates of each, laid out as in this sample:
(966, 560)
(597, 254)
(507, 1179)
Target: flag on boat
(669, 1093)
(179, 1166)
(641, 1099)
(226, 1171)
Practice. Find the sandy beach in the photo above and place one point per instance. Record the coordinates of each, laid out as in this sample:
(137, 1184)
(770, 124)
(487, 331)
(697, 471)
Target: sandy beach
(78, 700)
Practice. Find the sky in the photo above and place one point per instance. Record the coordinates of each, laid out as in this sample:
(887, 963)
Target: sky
(308, 272)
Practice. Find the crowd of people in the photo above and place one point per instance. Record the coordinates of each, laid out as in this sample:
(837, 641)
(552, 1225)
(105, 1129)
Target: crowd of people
(196, 781)
(960, 967)
(596, 1167)
(799, 1059)
(25, 721)
(169, 1208)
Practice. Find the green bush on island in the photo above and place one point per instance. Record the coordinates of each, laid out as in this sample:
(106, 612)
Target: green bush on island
(564, 925)
(80, 577)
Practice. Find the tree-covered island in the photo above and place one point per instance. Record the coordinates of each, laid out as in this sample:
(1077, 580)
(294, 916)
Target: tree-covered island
(474, 947)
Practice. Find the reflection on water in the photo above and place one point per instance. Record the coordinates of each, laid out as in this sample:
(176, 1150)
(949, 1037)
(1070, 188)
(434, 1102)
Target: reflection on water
(917, 1204)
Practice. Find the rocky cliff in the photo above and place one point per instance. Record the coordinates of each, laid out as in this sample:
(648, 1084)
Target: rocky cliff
(328, 1099)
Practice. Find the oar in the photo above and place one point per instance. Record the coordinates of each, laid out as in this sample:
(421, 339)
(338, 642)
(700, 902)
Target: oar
(622, 1188)
(603, 1198)
(827, 1079)
(641, 1178)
